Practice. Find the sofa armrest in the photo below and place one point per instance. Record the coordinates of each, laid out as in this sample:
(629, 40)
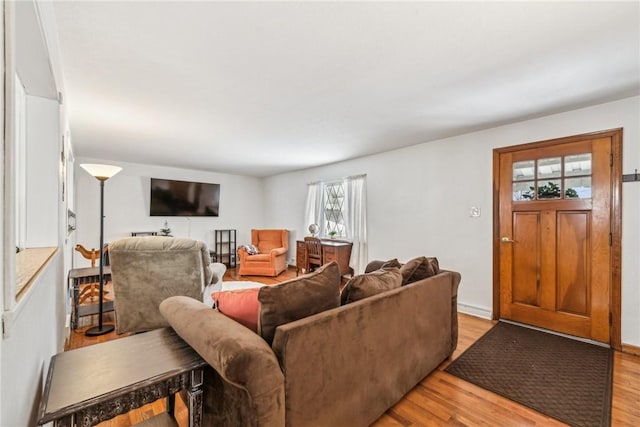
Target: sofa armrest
(455, 283)
(241, 357)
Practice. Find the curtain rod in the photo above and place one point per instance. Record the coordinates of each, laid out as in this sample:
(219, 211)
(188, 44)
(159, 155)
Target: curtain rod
(326, 181)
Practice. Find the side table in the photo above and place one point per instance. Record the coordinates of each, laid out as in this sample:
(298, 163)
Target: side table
(130, 373)
(80, 276)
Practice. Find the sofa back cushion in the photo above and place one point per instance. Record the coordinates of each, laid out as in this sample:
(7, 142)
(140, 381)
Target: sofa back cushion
(147, 270)
(298, 298)
(369, 284)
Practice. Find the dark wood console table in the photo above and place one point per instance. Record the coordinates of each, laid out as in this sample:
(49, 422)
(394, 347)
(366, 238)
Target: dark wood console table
(332, 250)
(136, 370)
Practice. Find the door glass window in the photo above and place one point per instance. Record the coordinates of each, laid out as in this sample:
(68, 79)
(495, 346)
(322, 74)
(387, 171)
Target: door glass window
(549, 189)
(549, 168)
(524, 170)
(567, 177)
(524, 190)
(577, 188)
(577, 165)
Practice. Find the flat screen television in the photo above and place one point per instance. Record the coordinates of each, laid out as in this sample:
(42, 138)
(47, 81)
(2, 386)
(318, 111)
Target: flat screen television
(183, 198)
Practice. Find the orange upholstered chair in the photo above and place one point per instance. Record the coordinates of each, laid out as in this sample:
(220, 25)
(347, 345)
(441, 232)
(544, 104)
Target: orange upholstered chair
(271, 260)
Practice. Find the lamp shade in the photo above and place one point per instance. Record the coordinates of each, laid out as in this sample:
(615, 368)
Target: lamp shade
(102, 172)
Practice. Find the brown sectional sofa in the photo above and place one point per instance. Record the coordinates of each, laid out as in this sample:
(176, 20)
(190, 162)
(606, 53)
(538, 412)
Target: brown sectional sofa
(343, 366)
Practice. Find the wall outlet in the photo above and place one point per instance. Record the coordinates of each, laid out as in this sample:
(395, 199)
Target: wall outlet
(292, 261)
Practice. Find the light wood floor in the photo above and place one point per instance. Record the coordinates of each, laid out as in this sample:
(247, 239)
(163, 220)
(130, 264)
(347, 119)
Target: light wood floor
(440, 399)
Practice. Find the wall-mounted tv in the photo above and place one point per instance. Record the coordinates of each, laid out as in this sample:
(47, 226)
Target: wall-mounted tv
(183, 198)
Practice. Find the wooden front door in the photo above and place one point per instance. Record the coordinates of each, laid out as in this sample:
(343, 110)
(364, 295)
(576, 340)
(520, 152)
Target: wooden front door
(555, 234)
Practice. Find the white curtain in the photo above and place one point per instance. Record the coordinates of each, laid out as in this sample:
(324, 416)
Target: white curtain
(355, 216)
(313, 212)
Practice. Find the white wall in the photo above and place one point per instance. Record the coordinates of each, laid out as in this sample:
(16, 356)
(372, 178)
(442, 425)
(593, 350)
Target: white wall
(35, 325)
(37, 333)
(419, 200)
(2, 191)
(127, 205)
(43, 160)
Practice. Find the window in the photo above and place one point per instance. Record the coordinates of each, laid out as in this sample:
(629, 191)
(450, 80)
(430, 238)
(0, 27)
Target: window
(333, 225)
(326, 208)
(339, 208)
(567, 177)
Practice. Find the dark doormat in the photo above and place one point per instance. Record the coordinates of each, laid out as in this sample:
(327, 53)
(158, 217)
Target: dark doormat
(563, 378)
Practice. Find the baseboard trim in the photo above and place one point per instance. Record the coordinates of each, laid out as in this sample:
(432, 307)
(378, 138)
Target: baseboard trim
(474, 311)
(631, 349)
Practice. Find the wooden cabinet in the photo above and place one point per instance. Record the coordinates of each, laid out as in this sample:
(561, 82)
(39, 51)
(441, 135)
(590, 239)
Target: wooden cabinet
(332, 250)
(337, 251)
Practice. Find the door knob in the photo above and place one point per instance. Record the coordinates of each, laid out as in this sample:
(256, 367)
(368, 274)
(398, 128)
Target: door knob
(505, 239)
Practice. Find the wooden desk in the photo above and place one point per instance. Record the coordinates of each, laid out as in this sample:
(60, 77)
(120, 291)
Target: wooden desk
(81, 276)
(332, 250)
(136, 370)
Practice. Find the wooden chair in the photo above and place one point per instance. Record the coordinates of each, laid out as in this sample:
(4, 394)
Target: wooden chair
(314, 253)
(90, 290)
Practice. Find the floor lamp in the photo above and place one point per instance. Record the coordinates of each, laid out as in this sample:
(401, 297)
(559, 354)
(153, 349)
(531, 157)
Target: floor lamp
(101, 173)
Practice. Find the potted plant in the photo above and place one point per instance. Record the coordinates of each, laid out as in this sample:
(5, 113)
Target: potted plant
(166, 231)
(333, 234)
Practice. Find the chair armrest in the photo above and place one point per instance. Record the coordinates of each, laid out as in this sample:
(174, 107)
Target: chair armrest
(242, 254)
(278, 251)
(240, 356)
(217, 272)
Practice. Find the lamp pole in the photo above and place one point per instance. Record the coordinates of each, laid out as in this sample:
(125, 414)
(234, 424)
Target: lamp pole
(101, 173)
(101, 329)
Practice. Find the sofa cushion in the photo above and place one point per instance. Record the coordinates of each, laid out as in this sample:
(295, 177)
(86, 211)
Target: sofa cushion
(241, 305)
(298, 298)
(259, 257)
(419, 268)
(369, 284)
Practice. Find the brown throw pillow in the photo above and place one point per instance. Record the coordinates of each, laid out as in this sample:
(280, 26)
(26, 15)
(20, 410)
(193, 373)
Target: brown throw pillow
(418, 269)
(376, 265)
(392, 263)
(369, 284)
(298, 298)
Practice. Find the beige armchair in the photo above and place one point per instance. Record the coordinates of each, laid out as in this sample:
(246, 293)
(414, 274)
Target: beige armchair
(273, 246)
(147, 270)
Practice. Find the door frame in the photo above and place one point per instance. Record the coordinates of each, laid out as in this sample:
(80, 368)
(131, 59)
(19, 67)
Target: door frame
(616, 222)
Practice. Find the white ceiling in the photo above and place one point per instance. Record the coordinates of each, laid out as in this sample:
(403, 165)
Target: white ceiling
(263, 88)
